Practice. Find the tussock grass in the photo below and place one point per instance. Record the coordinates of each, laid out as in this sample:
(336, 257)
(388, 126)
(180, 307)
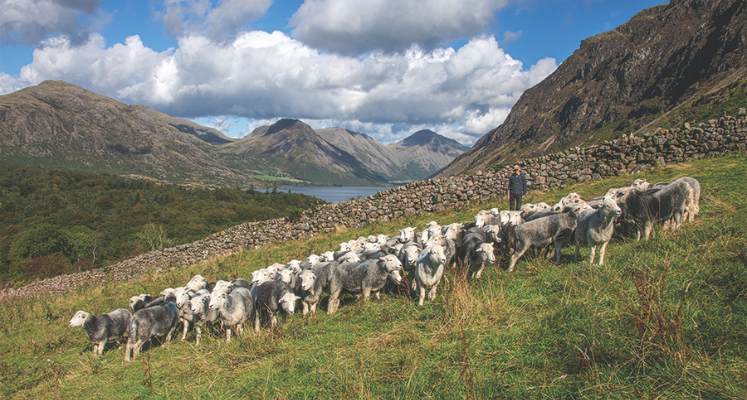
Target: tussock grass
(664, 318)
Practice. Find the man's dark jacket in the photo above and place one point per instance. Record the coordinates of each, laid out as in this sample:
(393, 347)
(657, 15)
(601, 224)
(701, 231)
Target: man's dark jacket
(517, 184)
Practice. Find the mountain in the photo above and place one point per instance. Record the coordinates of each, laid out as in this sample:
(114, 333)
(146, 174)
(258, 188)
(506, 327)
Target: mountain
(670, 63)
(425, 153)
(291, 148)
(56, 124)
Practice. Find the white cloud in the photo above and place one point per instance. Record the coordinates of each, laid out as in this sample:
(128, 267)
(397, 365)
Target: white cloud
(390, 25)
(28, 22)
(188, 17)
(264, 76)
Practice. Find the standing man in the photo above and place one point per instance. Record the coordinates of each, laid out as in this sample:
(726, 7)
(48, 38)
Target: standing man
(517, 188)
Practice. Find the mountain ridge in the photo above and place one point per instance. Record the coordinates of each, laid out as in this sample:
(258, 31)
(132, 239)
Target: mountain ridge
(634, 78)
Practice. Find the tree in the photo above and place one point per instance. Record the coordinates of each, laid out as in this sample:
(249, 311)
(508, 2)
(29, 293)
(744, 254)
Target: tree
(154, 236)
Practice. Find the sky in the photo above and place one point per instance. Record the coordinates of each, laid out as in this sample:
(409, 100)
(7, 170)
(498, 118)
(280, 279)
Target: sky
(387, 68)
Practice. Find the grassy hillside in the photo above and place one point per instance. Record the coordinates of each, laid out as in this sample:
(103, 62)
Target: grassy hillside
(663, 318)
(54, 222)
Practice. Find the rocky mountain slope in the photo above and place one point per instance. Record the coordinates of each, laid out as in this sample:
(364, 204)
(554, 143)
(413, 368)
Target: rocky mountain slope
(60, 125)
(670, 63)
(425, 153)
(293, 148)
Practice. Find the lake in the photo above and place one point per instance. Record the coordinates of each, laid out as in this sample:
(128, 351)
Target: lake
(334, 194)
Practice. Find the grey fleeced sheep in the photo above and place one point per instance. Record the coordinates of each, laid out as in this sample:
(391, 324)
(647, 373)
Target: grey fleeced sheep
(102, 328)
(595, 227)
(235, 305)
(201, 313)
(428, 272)
(273, 298)
(150, 322)
(366, 278)
(557, 228)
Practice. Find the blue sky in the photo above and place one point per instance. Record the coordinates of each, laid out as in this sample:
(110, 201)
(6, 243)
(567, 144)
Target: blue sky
(383, 67)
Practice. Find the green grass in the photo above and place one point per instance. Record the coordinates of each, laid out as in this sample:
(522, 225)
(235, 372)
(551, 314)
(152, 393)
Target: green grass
(663, 318)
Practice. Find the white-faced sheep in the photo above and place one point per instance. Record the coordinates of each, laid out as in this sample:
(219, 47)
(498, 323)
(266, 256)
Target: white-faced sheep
(557, 228)
(595, 227)
(102, 328)
(150, 322)
(428, 272)
(201, 313)
(235, 306)
(273, 298)
(366, 278)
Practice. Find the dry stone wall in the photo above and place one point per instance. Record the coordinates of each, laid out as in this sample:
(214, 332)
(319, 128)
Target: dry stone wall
(630, 154)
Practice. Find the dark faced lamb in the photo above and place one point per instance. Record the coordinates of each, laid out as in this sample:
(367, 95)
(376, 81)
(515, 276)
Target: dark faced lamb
(150, 322)
(103, 328)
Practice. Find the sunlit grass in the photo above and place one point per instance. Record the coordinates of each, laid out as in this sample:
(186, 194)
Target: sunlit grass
(663, 318)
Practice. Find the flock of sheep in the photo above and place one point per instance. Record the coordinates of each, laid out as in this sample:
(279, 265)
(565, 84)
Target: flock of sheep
(365, 265)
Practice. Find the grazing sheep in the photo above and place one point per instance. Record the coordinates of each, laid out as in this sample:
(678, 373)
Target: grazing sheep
(150, 322)
(475, 252)
(659, 204)
(273, 298)
(235, 307)
(366, 277)
(556, 228)
(428, 271)
(596, 227)
(103, 328)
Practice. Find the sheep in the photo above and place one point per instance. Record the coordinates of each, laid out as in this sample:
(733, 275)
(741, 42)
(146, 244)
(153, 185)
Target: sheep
(533, 208)
(235, 307)
(366, 277)
(311, 296)
(305, 285)
(659, 204)
(541, 232)
(485, 217)
(149, 322)
(428, 272)
(407, 235)
(571, 198)
(201, 313)
(103, 328)
(183, 295)
(596, 227)
(327, 256)
(475, 252)
(408, 256)
(273, 298)
(196, 283)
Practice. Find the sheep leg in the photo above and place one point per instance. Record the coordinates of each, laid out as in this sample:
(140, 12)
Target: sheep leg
(305, 308)
(432, 293)
(592, 250)
(421, 295)
(558, 246)
(366, 293)
(256, 321)
(479, 271)
(228, 334)
(648, 228)
(575, 255)
(601, 253)
(199, 335)
(514, 258)
(100, 348)
(185, 323)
